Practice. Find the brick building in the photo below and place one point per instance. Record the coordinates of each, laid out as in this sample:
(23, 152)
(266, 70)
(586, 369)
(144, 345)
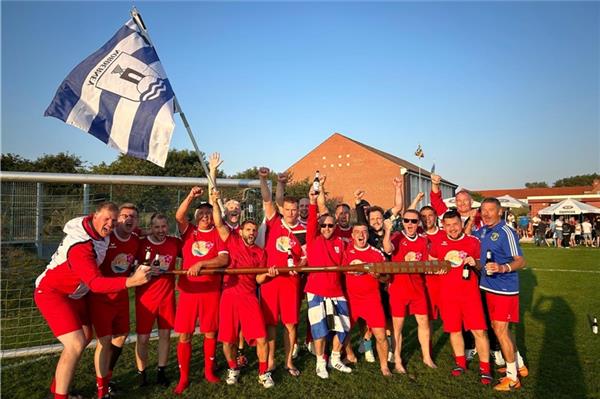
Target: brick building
(539, 198)
(350, 165)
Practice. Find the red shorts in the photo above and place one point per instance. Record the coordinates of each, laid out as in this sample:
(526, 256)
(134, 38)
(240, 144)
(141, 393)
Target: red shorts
(109, 317)
(433, 283)
(63, 314)
(280, 298)
(503, 307)
(416, 305)
(194, 306)
(465, 311)
(149, 307)
(370, 311)
(240, 310)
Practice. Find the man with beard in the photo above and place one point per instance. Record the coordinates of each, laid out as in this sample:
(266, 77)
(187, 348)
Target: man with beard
(239, 307)
(363, 291)
(156, 301)
(500, 281)
(459, 294)
(280, 296)
(327, 307)
(110, 312)
(342, 222)
(72, 273)
(407, 291)
(198, 294)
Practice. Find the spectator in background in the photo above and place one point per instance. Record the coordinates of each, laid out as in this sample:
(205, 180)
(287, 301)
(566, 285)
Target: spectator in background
(540, 232)
(558, 232)
(566, 233)
(510, 220)
(586, 229)
(577, 234)
(597, 231)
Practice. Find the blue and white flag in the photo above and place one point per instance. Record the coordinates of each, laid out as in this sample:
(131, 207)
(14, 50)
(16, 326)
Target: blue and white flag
(121, 95)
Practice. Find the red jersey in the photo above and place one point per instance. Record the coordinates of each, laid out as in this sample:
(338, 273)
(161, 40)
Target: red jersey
(344, 234)
(167, 251)
(436, 237)
(455, 251)
(408, 249)
(362, 285)
(200, 245)
(73, 269)
(242, 255)
(118, 261)
(280, 237)
(233, 229)
(322, 252)
(440, 207)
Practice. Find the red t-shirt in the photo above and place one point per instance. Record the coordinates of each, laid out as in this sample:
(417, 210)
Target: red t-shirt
(455, 251)
(344, 234)
(361, 285)
(118, 261)
(322, 252)
(408, 249)
(167, 251)
(200, 245)
(242, 255)
(280, 237)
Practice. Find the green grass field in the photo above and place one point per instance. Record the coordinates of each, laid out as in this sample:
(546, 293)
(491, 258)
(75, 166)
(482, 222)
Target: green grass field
(558, 295)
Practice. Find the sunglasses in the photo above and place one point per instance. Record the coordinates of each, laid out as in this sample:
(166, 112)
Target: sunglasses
(413, 221)
(330, 225)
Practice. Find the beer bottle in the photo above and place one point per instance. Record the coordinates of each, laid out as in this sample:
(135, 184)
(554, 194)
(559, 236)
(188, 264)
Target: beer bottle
(316, 186)
(156, 265)
(466, 272)
(290, 259)
(488, 259)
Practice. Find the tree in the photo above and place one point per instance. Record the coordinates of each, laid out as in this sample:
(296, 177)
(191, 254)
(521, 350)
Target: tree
(59, 163)
(579, 180)
(536, 184)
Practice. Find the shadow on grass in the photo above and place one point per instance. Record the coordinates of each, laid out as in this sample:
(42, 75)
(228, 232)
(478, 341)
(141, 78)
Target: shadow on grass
(564, 377)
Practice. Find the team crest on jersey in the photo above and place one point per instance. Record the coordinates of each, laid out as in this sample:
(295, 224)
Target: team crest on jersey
(455, 257)
(165, 261)
(284, 243)
(356, 262)
(201, 248)
(494, 236)
(413, 256)
(131, 78)
(121, 262)
(336, 249)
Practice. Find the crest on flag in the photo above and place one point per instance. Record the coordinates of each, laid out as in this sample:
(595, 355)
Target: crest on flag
(419, 152)
(121, 95)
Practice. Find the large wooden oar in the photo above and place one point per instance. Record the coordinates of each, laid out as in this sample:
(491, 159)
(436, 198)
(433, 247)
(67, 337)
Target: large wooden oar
(428, 267)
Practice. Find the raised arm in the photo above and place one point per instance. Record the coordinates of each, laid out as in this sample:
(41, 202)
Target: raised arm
(312, 230)
(268, 206)
(437, 202)
(282, 180)
(415, 202)
(181, 214)
(214, 161)
(388, 247)
(217, 217)
(398, 207)
(360, 205)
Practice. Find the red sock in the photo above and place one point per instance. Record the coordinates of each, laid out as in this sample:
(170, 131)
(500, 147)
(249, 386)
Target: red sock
(461, 361)
(60, 396)
(184, 355)
(53, 385)
(102, 385)
(262, 367)
(484, 368)
(210, 348)
(232, 364)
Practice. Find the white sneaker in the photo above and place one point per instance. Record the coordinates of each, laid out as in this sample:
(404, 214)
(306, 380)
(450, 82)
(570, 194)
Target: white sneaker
(266, 380)
(232, 376)
(470, 354)
(498, 359)
(338, 365)
(369, 356)
(310, 347)
(295, 351)
(322, 370)
(390, 357)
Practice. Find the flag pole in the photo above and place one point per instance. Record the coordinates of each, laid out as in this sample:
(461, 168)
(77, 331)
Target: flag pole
(137, 18)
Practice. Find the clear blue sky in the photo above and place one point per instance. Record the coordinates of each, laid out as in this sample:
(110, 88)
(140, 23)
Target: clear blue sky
(497, 94)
